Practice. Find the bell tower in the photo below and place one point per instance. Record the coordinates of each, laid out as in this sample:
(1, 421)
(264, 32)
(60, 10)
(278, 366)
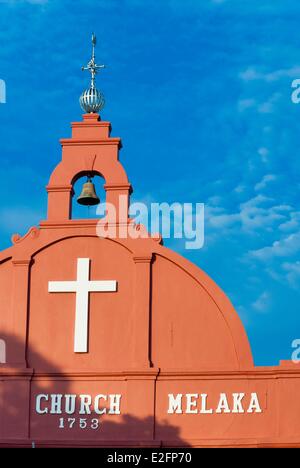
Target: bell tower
(90, 151)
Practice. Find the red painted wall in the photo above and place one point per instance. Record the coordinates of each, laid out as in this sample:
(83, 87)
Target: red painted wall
(167, 330)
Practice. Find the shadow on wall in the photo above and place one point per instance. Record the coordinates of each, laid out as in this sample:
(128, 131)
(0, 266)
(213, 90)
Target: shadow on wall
(21, 425)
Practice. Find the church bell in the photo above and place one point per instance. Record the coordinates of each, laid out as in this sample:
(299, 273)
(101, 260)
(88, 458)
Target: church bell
(88, 196)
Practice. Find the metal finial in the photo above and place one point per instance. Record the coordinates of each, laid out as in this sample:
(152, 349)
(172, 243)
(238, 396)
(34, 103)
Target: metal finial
(94, 42)
(92, 100)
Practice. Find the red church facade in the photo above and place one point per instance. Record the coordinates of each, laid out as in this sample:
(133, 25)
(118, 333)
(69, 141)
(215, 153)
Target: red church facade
(117, 341)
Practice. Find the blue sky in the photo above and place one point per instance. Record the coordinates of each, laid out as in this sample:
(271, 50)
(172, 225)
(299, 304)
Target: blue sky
(200, 92)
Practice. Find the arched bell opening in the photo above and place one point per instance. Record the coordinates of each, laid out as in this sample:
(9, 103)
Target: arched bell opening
(89, 196)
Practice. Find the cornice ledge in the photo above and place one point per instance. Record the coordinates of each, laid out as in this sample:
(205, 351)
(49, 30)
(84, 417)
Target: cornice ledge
(7, 371)
(110, 187)
(147, 258)
(69, 224)
(59, 188)
(121, 374)
(97, 142)
(255, 373)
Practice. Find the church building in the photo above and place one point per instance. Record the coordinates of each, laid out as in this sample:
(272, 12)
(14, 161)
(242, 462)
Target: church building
(110, 339)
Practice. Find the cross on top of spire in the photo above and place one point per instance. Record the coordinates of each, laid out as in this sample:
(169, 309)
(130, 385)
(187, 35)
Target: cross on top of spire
(92, 66)
(92, 100)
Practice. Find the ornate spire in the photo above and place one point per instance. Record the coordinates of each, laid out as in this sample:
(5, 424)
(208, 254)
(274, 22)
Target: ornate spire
(92, 100)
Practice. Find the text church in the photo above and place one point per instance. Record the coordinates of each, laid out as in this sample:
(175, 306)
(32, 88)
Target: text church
(117, 341)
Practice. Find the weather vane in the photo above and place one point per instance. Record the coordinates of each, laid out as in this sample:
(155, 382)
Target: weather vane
(92, 66)
(92, 100)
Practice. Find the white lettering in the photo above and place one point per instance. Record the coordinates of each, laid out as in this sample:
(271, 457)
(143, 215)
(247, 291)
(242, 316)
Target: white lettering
(254, 404)
(175, 403)
(223, 404)
(70, 404)
(114, 404)
(38, 408)
(203, 405)
(56, 404)
(191, 403)
(96, 404)
(85, 404)
(237, 402)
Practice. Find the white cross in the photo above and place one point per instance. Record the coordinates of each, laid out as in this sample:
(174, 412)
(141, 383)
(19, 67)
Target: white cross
(82, 287)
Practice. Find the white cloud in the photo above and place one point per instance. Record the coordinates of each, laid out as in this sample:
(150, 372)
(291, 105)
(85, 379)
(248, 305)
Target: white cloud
(292, 273)
(214, 201)
(285, 247)
(264, 182)
(245, 104)
(253, 215)
(224, 220)
(251, 74)
(263, 302)
(256, 216)
(263, 107)
(293, 224)
(268, 106)
(240, 188)
(264, 154)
